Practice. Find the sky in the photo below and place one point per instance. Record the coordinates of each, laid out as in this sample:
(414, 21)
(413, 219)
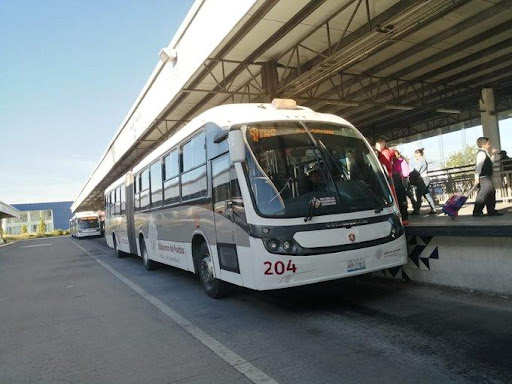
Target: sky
(70, 71)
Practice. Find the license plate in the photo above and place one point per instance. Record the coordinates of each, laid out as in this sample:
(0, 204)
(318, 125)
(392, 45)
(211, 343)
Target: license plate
(356, 265)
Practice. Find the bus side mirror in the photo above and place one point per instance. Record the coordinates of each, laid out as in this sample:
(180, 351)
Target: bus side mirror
(236, 146)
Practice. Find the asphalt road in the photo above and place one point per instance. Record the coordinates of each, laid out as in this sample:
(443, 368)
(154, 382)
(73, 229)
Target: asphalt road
(70, 311)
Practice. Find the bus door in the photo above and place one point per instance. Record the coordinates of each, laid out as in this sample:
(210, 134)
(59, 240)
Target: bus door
(223, 174)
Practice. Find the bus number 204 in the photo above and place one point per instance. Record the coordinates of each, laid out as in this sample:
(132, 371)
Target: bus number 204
(278, 268)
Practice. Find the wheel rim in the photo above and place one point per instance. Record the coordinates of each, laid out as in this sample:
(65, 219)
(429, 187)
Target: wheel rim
(206, 272)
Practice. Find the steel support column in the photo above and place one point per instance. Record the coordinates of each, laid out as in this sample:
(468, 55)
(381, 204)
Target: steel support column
(490, 118)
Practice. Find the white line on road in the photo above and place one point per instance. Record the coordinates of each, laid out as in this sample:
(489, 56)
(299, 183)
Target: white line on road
(37, 245)
(237, 362)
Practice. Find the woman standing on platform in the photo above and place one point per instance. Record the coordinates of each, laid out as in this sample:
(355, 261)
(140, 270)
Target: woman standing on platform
(422, 183)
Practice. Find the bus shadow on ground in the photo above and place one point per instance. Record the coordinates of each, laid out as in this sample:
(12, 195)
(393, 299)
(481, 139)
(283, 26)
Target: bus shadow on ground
(341, 294)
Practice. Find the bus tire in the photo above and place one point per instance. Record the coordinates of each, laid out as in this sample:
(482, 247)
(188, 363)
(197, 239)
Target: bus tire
(213, 287)
(119, 253)
(149, 264)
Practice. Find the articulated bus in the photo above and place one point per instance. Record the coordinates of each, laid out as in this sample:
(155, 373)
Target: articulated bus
(85, 224)
(263, 196)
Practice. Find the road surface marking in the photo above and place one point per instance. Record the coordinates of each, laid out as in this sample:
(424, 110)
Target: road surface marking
(37, 245)
(237, 362)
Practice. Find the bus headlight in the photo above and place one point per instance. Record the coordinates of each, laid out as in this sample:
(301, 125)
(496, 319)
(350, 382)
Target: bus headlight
(282, 246)
(272, 245)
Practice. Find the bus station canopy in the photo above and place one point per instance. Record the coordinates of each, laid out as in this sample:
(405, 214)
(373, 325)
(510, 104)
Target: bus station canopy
(393, 68)
(7, 211)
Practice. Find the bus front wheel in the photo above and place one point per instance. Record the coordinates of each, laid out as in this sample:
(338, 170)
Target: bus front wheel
(149, 264)
(213, 287)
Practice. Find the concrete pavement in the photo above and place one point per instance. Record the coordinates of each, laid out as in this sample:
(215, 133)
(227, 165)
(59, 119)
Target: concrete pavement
(65, 318)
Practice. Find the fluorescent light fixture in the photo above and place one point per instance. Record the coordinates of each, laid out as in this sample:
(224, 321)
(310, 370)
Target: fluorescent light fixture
(444, 110)
(399, 107)
(167, 55)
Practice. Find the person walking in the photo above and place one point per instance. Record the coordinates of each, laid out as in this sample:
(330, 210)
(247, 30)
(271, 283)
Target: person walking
(400, 171)
(486, 195)
(422, 182)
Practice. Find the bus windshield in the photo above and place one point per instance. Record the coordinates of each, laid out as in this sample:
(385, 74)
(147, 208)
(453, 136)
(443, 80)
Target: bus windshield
(309, 169)
(88, 223)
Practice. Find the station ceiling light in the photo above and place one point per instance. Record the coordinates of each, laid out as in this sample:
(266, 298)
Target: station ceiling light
(167, 55)
(445, 110)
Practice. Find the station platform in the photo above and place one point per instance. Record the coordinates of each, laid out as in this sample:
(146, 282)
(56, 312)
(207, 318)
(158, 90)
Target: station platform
(467, 252)
(465, 225)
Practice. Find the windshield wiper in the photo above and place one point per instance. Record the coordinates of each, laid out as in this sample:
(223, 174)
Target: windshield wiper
(312, 206)
(373, 194)
(314, 202)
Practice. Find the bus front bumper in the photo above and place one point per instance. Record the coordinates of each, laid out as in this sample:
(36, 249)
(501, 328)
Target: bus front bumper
(275, 271)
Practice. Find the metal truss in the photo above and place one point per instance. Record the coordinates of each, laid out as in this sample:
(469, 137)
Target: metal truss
(289, 69)
(394, 24)
(224, 84)
(398, 21)
(388, 92)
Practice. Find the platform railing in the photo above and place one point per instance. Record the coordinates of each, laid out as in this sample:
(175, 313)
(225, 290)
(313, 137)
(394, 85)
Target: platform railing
(446, 182)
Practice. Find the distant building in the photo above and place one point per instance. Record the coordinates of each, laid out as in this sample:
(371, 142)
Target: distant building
(56, 215)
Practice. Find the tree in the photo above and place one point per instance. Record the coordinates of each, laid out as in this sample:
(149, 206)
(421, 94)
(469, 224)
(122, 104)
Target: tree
(466, 156)
(24, 228)
(41, 228)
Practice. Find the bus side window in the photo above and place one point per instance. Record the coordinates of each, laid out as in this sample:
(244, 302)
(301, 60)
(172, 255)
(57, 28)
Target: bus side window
(193, 178)
(236, 197)
(221, 194)
(155, 175)
(118, 201)
(226, 194)
(144, 189)
(136, 189)
(194, 152)
(123, 200)
(171, 178)
(114, 195)
(111, 205)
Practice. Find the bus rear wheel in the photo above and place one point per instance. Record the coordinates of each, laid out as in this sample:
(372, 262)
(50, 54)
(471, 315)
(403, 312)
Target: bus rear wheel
(213, 287)
(119, 254)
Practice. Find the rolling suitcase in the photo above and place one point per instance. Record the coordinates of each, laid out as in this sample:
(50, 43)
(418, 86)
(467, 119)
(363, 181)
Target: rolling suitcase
(455, 203)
